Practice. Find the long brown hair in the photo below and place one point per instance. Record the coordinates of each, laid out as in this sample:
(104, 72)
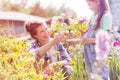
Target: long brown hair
(102, 8)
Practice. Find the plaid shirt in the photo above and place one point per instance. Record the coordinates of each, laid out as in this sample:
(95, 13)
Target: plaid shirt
(63, 55)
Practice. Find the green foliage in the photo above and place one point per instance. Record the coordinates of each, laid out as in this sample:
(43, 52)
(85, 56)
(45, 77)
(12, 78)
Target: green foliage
(114, 66)
(79, 68)
(114, 60)
(14, 61)
(17, 64)
(21, 7)
(36, 9)
(51, 11)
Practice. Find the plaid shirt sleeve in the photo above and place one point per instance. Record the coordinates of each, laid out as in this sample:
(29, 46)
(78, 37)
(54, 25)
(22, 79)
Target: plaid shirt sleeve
(34, 48)
(63, 53)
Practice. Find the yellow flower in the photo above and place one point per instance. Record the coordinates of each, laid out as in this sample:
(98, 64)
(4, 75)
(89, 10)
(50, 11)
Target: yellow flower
(13, 55)
(33, 74)
(1, 59)
(31, 54)
(29, 60)
(72, 63)
(76, 30)
(76, 25)
(18, 47)
(57, 64)
(84, 28)
(17, 52)
(56, 25)
(3, 75)
(18, 75)
(5, 57)
(40, 78)
(78, 33)
(56, 52)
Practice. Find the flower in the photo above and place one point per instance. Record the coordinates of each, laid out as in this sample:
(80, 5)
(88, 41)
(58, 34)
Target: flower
(77, 26)
(31, 54)
(45, 76)
(56, 52)
(78, 33)
(40, 78)
(18, 75)
(102, 44)
(57, 64)
(84, 28)
(116, 43)
(72, 63)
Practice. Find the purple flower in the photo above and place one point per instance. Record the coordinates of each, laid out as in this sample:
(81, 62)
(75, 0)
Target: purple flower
(102, 44)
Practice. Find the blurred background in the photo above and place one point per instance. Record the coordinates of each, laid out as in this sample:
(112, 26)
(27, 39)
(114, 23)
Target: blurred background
(13, 13)
(47, 8)
(16, 12)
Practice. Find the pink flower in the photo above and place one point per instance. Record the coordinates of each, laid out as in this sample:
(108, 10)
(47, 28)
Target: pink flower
(116, 43)
(45, 76)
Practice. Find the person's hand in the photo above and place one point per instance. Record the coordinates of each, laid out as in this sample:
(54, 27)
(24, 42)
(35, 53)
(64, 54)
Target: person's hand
(68, 34)
(84, 40)
(59, 38)
(70, 42)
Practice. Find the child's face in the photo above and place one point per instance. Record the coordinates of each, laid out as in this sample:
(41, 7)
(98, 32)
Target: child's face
(93, 5)
(42, 33)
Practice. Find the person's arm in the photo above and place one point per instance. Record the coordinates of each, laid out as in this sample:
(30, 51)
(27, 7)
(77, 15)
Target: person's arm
(85, 40)
(105, 24)
(40, 51)
(72, 41)
(82, 40)
(46, 47)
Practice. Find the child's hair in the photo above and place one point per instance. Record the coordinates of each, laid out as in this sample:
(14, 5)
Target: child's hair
(31, 27)
(103, 7)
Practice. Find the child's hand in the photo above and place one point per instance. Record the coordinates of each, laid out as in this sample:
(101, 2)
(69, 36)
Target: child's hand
(70, 42)
(84, 40)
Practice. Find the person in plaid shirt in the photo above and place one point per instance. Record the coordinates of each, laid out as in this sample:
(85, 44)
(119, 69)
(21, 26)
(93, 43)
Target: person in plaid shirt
(47, 48)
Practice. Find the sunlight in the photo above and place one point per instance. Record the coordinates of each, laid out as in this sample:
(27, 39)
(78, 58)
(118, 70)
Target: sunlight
(79, 6)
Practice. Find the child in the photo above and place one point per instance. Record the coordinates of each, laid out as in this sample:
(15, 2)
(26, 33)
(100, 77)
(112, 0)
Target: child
(101, 20)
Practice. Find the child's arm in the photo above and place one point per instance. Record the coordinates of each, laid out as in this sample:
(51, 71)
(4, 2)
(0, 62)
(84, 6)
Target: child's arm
(72, 42)
(85, 40)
